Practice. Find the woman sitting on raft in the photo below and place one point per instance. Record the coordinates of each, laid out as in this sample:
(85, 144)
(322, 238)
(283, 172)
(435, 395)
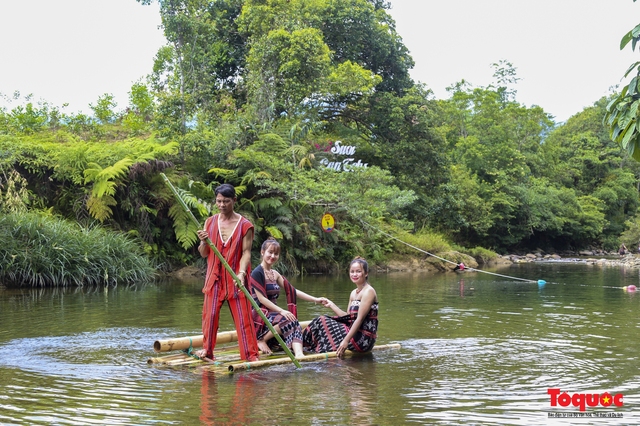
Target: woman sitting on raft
(266, 284)
(354, 330)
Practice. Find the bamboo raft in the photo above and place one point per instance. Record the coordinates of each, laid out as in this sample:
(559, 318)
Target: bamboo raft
(227, 358)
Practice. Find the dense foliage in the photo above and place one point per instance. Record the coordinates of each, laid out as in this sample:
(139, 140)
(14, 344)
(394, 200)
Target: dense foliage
(307, 107)
(40, 250)
(623, 116)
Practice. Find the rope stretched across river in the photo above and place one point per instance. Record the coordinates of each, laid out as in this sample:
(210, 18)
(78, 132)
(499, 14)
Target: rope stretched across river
(447, 260)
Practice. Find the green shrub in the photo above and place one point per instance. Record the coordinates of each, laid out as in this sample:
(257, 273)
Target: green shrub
(482, 255)
(40, 251)
(424, 239)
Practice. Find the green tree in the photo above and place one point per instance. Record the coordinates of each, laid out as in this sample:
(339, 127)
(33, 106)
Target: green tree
(579, 155)
(623, 110)
(284, 69)
(496, 145)
(203, 60)
(141, 109)
(103, 109)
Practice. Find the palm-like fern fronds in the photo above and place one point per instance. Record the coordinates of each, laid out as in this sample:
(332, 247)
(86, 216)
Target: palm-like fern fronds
(104, 182)
(183, 226)
(100, 207)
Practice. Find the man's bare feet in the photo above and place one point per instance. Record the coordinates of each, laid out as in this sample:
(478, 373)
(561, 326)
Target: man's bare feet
(262, 345)
(202, 354)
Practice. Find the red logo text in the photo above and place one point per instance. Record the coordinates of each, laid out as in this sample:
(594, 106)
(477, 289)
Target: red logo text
(584, 400)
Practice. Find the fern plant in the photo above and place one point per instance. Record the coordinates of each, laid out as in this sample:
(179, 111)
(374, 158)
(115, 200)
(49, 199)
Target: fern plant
(104, 186)
(183, 226)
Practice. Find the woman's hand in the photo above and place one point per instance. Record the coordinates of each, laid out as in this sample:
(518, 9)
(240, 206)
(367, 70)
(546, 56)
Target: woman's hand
(202, 234)
(288, 315)
(326, 302)
(329, 304)
(342, 348)
(321, 300)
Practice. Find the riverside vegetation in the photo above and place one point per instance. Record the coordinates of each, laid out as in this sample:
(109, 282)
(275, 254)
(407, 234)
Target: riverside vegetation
(46, 251)
(267, 95)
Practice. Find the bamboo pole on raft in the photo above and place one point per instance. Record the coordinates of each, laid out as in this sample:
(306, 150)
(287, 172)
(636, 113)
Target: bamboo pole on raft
(238, 281)
(307, 358)
(182, 343)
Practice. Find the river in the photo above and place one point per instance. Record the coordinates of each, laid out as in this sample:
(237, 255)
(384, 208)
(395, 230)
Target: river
(476, 349)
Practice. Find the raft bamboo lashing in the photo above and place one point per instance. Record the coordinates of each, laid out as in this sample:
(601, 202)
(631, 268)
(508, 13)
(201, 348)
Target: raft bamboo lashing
(227, 358)
(196, 341)
(228, 361)
(222, 354)
(307, 358)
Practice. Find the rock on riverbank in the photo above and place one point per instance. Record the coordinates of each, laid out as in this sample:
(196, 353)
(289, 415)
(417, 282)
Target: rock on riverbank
(589, 257)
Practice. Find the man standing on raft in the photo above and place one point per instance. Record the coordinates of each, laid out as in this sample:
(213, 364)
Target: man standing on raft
(232, 235)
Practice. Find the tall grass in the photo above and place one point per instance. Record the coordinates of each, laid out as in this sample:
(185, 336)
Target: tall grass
(43, 251)
(438, 244)
(482, 255)
(424, 239)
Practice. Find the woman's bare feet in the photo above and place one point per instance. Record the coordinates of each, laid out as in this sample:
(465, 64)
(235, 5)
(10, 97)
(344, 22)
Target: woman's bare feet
(262, 345)
(297, 350)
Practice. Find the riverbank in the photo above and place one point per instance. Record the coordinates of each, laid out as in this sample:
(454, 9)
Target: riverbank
(590, 258)
(434, 264)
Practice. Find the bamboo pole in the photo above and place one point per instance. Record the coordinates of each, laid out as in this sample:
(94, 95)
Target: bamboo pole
(165, 359)
(182, 343)
(222, 355)
(307, 358)
(178, 344)
(238, 281)
(186, 361)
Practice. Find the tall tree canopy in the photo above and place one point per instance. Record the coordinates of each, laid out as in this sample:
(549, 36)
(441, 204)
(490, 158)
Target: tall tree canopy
(308, 107)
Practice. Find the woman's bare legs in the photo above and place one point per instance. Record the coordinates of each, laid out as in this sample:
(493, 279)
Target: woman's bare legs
(262, 344)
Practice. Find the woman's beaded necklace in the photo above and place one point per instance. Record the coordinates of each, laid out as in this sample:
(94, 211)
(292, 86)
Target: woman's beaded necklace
(270, 274)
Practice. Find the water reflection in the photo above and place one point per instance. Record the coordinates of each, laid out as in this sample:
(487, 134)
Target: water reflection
(337, 391)
(474, 350)
(227, 408)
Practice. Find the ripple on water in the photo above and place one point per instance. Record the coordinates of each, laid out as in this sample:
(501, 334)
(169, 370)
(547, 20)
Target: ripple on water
(88, 377)
(488, 376)
(92, 355)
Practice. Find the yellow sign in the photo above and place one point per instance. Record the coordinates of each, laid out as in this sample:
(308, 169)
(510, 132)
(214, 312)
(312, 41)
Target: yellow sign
(328, 222)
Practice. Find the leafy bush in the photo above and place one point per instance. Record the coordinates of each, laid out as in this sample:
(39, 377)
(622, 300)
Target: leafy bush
(482, 255)
(424, 239)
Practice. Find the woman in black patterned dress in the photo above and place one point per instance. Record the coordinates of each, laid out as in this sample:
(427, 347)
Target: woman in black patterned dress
(354, 330)
(267, 285)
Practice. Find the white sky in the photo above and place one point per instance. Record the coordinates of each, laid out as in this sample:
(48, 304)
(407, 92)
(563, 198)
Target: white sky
(565, 51)
(74, 51)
